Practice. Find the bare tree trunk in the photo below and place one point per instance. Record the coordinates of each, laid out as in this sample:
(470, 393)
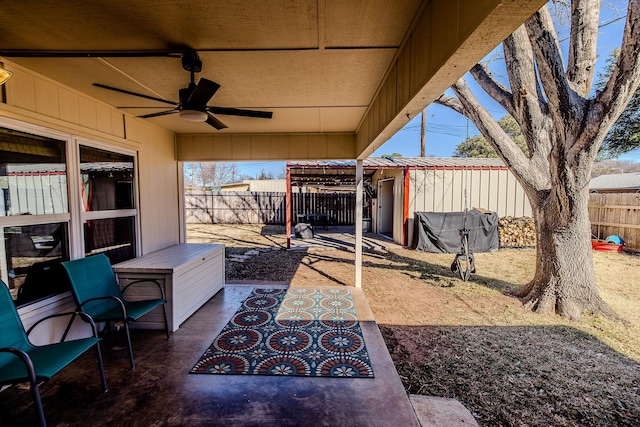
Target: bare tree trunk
(564, 281)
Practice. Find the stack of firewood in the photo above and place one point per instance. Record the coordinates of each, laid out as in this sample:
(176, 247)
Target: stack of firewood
(517, 232)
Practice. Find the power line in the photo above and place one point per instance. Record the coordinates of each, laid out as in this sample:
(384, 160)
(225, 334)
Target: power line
(600, 26)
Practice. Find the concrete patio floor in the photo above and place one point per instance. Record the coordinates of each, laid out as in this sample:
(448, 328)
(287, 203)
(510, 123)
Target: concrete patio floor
(161, 392)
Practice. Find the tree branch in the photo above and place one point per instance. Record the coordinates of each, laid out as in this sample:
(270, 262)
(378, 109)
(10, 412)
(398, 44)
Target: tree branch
(493, 88)
(607, 106)
(582, 47)
(564, 103)
(529, 104)
(451, 102)
(506, 148)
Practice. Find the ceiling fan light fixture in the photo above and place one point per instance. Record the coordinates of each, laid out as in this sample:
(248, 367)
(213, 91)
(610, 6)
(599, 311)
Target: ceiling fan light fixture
(194, 115)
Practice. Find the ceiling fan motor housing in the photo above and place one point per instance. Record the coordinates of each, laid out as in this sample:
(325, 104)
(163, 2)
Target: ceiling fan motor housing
(191, 62)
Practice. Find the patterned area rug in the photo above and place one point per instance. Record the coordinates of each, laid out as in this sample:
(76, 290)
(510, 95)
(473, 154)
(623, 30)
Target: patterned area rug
(299, 332)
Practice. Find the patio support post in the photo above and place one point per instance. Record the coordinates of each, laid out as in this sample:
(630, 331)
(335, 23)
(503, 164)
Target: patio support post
(359, 201)
(405, 206)
(287, 207)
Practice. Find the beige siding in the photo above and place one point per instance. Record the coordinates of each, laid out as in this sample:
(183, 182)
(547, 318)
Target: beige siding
(159, 192)
(260, 185)
(438, 190)
(40, 101)
(52, 102)
(235, 187)
(201, 147)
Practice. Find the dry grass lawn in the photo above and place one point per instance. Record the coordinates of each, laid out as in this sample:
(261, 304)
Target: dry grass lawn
(471, 340)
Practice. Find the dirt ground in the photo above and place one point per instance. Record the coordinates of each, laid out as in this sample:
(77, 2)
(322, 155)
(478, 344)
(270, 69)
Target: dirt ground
(470, 340)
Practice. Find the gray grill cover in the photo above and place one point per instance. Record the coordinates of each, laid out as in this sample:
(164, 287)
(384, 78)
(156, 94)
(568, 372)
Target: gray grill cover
(440, 232)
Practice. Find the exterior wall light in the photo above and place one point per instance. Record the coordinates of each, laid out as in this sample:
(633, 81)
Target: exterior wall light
(4, 75)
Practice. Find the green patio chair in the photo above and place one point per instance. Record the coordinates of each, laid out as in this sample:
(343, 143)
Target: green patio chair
(97, 293)
(21, 361)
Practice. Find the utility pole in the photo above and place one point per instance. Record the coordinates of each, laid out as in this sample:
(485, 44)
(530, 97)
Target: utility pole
(423, 130)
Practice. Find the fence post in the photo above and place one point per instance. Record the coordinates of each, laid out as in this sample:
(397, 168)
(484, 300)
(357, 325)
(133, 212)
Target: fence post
(213, 208)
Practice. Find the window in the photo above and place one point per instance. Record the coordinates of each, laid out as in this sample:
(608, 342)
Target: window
(108, 199)
(42, 224)
(107, 180)
(33, 254)
(34, 215)
(115, 237)
(33, 177)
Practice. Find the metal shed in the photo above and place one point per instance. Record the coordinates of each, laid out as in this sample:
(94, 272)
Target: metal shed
(404, 185)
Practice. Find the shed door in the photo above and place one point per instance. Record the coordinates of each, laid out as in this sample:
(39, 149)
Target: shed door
(385, 207)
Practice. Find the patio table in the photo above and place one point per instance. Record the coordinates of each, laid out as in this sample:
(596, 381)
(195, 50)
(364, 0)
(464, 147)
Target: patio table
(319, 219)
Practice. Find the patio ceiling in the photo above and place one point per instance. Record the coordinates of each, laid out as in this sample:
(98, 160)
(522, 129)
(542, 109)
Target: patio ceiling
(321, 66)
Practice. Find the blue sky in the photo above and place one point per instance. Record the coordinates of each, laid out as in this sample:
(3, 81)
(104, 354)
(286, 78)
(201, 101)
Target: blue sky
(446, 128)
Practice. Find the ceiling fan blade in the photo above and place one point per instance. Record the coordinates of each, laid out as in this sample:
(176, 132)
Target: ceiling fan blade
(240, 112)
(36, 53)
(203, 92)
(161, 113)
(134, 94)
(212, 121)
(138, 107)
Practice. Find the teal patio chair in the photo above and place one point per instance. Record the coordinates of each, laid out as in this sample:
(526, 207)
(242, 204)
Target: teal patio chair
(97, 293)
(21, 361)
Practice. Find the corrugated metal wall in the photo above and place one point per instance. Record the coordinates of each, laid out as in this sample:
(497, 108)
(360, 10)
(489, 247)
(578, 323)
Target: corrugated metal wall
(440, 190)
(35, 194)
(443, 190)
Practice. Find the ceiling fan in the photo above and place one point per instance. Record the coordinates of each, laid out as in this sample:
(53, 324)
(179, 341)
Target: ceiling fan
(193, 99)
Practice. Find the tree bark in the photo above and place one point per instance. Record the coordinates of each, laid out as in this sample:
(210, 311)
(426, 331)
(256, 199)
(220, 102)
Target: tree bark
(564, 282)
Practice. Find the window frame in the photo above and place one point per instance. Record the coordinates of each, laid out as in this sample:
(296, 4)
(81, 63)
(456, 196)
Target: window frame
(103, 214)
(75, 217)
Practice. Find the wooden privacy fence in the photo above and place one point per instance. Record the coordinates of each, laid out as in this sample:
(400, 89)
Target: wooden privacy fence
(339, 207)
(235, 207)
(243, 207)
(616, 213)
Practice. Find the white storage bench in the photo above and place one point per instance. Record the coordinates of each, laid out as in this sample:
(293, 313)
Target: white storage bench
(191, 273)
